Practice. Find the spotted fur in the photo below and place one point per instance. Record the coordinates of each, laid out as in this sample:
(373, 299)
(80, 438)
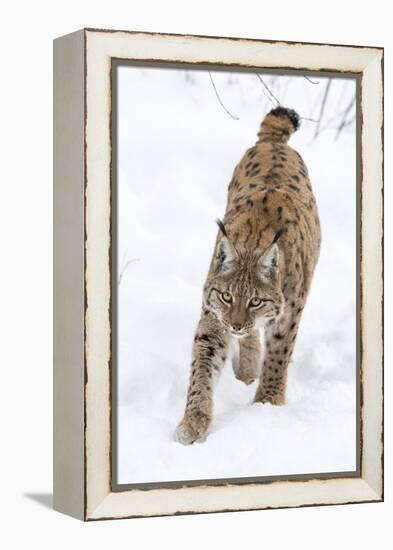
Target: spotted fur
(266, 249)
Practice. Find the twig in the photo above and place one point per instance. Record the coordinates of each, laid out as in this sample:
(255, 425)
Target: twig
(311, 81)
(342, 95)
(309, 119)
(284, 93)
(271, 95)
(125, 267)
(344, 121)
(328, 123)
(323, 105)
(234, 117)
(342, 127)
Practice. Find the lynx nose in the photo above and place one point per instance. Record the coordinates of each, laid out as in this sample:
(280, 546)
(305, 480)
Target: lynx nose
(237, 328)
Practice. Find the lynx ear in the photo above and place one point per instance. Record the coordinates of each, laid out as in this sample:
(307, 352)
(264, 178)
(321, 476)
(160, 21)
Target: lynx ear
(225, 256)
(269, 261)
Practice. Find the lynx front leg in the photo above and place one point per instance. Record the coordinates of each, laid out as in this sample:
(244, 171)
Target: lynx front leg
(209, 354)
(247, 366)
(280, 339)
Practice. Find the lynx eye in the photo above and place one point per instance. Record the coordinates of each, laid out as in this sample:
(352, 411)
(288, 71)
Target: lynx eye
(255, 302)
(226, 297)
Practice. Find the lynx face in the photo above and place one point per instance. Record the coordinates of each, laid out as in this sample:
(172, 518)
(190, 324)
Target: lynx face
(244, 292)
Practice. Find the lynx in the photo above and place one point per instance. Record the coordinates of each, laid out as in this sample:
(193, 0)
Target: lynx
(260, 274)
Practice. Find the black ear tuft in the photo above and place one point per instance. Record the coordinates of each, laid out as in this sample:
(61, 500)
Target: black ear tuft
(222, 227)
(289, 113)
(279, 234)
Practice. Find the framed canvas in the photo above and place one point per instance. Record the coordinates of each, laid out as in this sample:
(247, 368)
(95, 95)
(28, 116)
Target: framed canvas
(203, 367)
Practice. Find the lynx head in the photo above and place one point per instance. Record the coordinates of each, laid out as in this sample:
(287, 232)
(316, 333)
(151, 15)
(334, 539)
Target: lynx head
(243, 291)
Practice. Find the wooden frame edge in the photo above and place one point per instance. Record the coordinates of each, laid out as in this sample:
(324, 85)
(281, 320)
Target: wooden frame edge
(370, 484)
(68, 293)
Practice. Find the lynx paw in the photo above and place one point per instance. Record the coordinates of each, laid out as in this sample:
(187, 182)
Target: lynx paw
(276, 399)
(247, 372)
(193, 427)
(245, 379)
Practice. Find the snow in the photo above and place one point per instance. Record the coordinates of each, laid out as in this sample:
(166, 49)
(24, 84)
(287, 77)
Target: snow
(177, 151)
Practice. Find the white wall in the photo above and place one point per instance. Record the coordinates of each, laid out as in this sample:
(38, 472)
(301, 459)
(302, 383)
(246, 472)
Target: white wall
(27, 30)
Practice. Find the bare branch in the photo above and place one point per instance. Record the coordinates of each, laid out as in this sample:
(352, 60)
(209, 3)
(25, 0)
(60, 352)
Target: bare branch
(309, 119)
(344, 88)
(323, 105)
(189, 77)
(344, 121)
(283, 94)
(330, 121)
(271, 95)
(311, 81)
(349, 121)
(125, 267)
(234, 117)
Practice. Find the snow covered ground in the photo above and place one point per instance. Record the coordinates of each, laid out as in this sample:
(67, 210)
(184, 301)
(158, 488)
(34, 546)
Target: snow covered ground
(177, 151)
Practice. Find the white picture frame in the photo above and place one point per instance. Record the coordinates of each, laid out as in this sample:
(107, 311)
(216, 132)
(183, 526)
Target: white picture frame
(83, 361)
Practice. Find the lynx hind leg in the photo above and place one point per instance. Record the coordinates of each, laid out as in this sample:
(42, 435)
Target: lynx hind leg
(247, 363)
